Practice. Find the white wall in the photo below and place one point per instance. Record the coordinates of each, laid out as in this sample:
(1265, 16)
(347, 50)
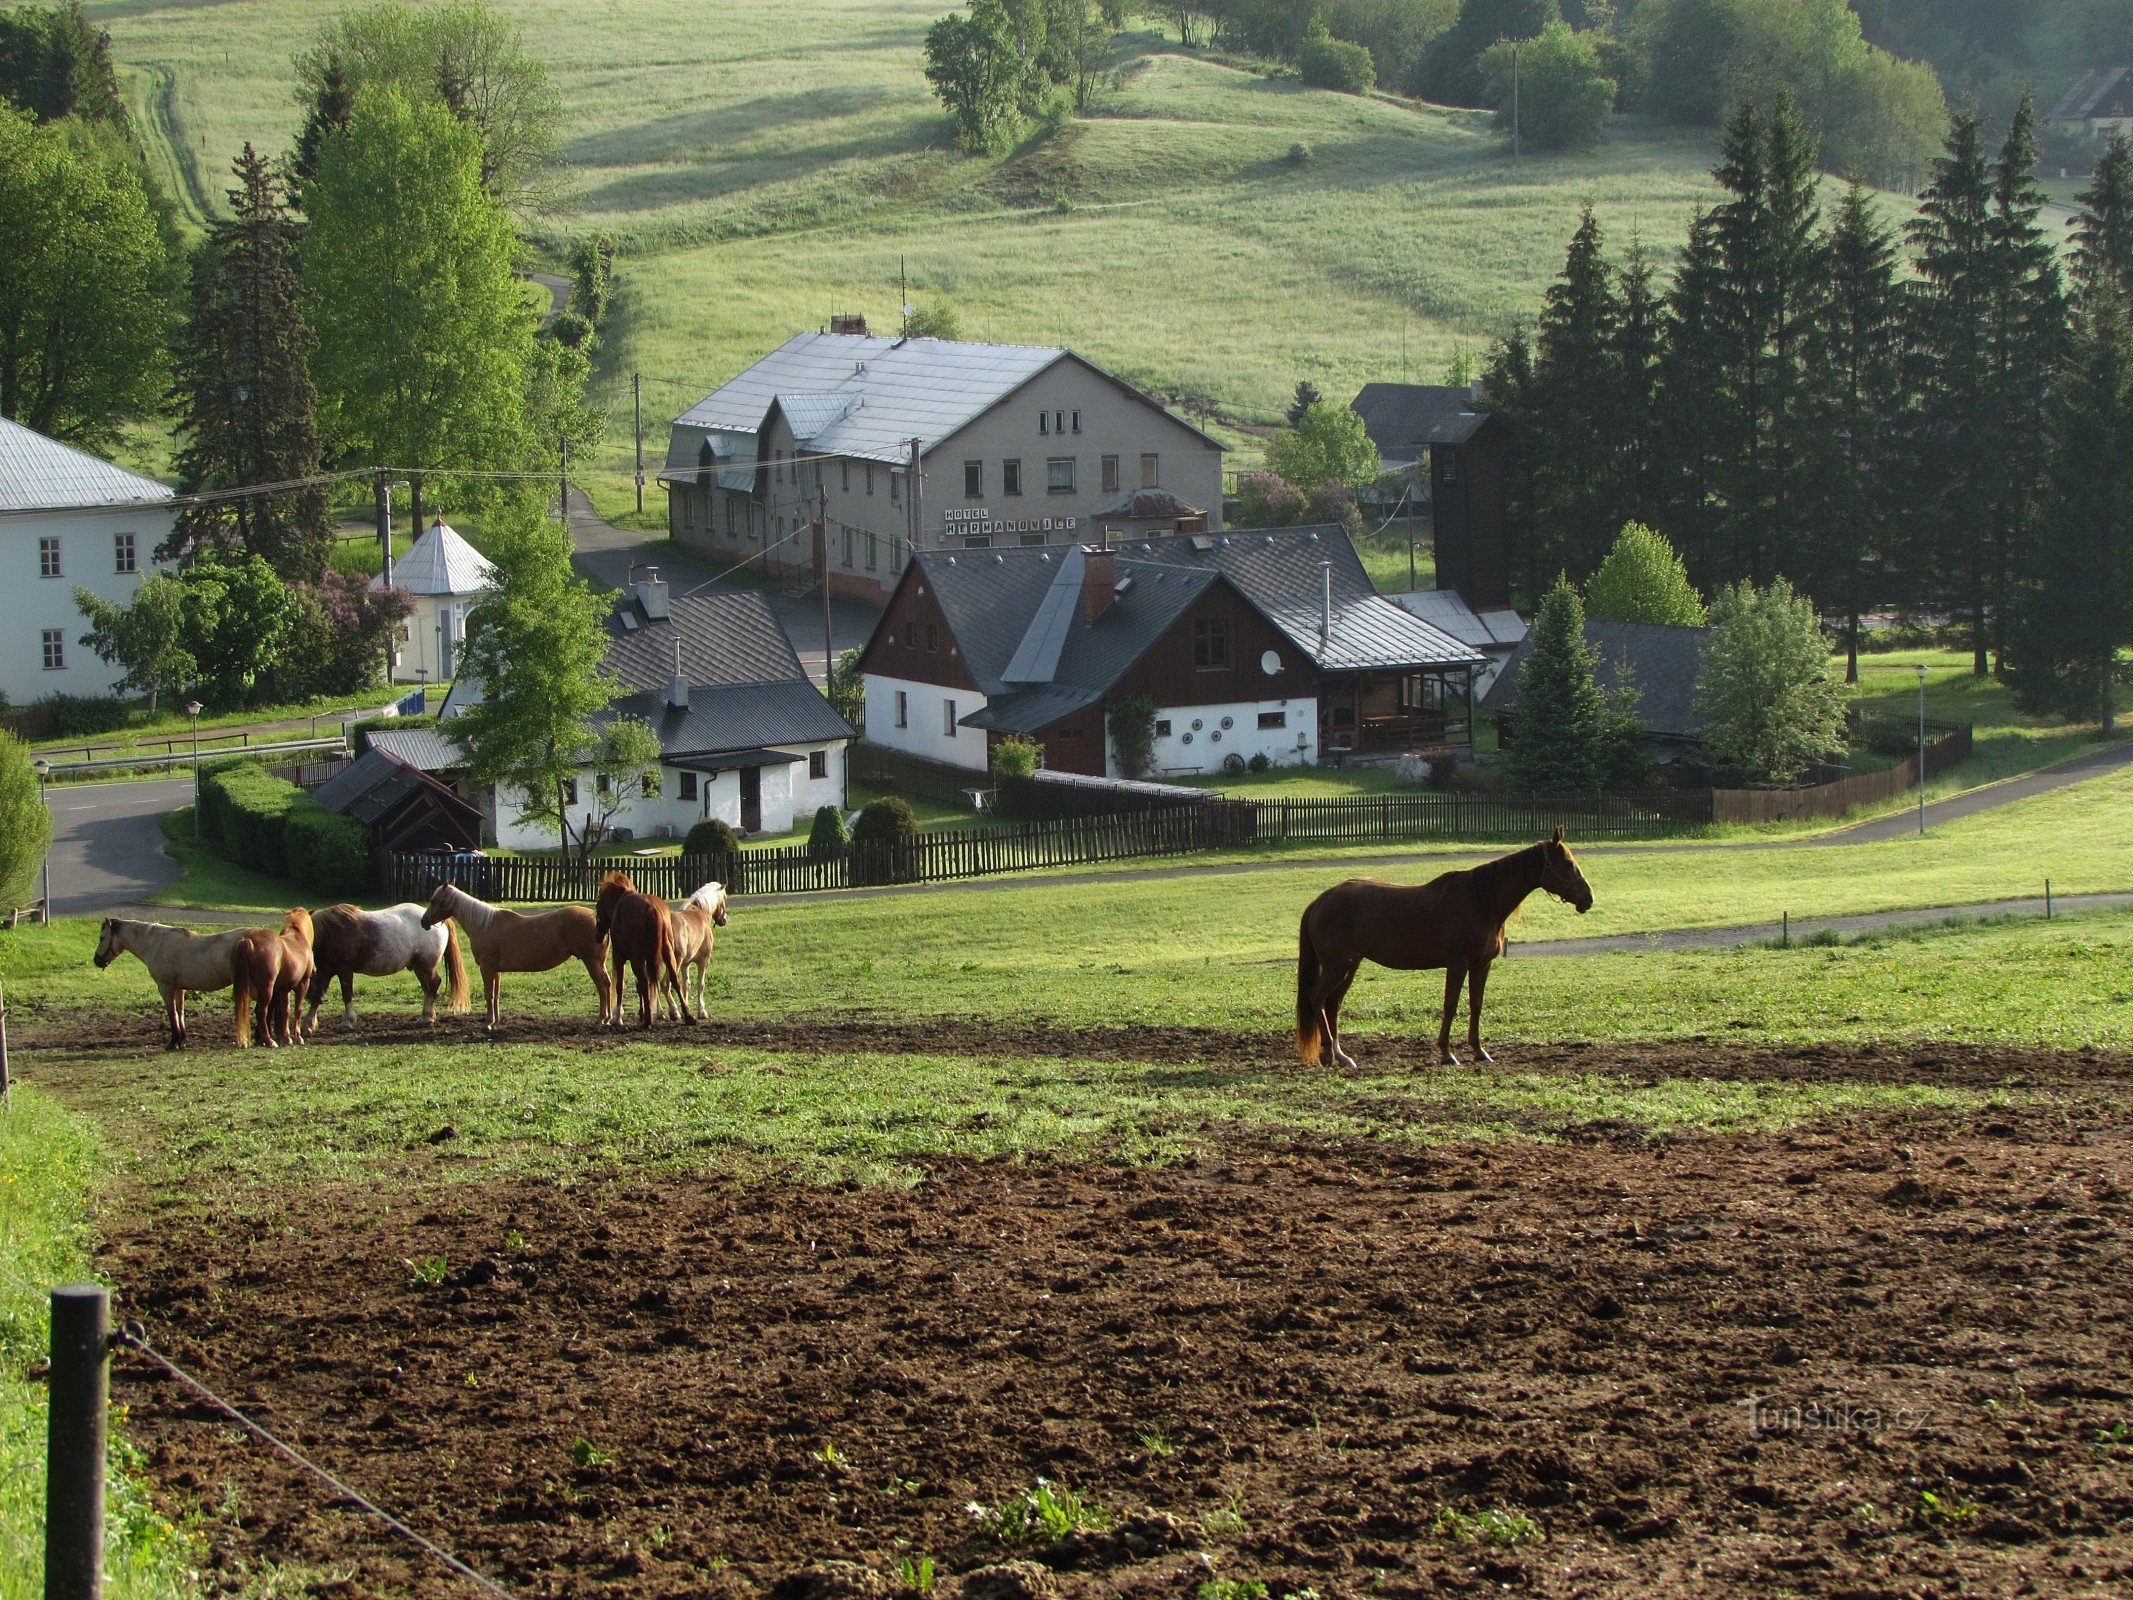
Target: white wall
(926, 734)
(425, 656)
(1211, 742)
(30, 604)
(789, 797)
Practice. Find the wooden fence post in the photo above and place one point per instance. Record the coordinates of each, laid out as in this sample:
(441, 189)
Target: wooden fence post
(74, 1459)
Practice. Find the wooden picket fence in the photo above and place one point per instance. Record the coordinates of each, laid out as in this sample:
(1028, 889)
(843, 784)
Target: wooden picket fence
(1357, 819)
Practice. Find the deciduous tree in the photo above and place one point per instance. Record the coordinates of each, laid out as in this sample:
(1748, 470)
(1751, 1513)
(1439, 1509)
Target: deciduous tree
(25, 824)
(1643, 580)
(1765, 693)
(146, 636)
(1562, 96)
(1328, 445)
(976, 66)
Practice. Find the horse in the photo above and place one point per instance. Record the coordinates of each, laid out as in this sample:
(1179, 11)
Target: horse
(1454, 921)
(378, 944)
(269, 967)
(177, 959)
(695, 923)
(639, 930)
(517, 941)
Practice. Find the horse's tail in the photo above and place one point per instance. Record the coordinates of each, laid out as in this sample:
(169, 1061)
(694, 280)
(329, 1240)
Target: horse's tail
(241, 985)
(458, 997)
(1310, 1018)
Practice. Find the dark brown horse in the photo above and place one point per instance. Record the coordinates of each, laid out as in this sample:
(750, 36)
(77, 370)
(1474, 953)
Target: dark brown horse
(639, 930)
(1454, 921)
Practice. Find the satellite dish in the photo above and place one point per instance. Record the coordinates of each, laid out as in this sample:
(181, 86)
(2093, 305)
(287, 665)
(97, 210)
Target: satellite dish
(1270, 663)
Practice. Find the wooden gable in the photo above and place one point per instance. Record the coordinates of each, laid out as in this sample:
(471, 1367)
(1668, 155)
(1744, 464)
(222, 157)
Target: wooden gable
(913, 640)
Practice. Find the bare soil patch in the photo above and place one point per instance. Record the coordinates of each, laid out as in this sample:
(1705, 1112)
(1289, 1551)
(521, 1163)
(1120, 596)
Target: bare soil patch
(1303, 1355)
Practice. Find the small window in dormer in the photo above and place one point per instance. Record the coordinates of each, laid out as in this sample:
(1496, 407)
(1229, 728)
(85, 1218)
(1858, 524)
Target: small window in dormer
(1077, 422)
(1044, 422)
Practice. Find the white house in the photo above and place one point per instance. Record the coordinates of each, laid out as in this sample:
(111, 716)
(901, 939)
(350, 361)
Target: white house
(744, 735)
(446, 575)
(67, 520)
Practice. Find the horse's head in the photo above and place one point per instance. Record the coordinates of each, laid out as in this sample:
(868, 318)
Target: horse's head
(107, 943)
(440, 906)
(612, 889)
(1560, 874)
(712, 898)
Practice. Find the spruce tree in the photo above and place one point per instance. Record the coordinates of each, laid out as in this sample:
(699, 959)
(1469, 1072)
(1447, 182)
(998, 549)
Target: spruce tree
(247, 410)
(1306, 397)
(1855, 356)
(1692, 438)
(1577, 459)
(332, 103)
(1561, 722)
(2103, 225)
(1507, 392)
(1640, 331)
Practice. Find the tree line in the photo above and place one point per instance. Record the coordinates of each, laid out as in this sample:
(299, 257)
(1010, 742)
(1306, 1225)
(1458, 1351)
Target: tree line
(1938, 421)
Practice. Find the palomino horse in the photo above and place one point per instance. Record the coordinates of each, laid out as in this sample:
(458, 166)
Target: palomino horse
(639, 930)
(177, 958)
(1454, 921)
(696, 924)
(270, 967)
(514, 941)
(378, 944)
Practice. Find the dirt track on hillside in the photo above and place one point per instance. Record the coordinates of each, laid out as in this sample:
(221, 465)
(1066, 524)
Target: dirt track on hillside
(1301, 1355)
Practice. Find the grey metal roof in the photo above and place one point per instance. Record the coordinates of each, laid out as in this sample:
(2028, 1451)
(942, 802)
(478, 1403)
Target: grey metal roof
(725, 638)
(2099, 92)
(440, 562)
(1028, 710)
(1664, 664)
(735, 716)
(1403, 419)
(375, 785)
(425, 749)
(1144, 505)
(734, 760)
(40, 474)
(1446, 609)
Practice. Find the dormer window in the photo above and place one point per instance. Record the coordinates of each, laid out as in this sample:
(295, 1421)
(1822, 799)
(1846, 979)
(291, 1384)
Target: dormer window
(1044, 422)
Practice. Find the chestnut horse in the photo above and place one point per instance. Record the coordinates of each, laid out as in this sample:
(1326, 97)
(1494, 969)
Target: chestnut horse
(514, 941)
(639, 930)
(269, 968)
(1454, 921)
(696, 924)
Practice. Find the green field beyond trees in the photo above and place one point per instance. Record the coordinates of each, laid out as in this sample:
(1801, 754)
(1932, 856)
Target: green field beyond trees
(765, 165)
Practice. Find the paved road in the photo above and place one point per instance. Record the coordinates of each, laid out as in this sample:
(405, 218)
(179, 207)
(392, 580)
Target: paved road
(606, 553)
(2090, 764)
(107, 842)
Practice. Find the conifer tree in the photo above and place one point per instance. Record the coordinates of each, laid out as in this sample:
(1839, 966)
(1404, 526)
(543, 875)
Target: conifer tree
(1561, 719)
(247, 410)
(1577, 460)
(1640, 331)
(2103, 226)
(1507, 392)
(1687, 404)
(332, 103)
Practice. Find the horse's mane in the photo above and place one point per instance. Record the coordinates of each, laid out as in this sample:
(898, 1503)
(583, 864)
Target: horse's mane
(298, 920)
(705, 893)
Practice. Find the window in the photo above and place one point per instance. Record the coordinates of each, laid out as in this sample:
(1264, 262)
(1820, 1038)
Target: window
(974, 479)
(1162, 727)
(818, 764)
(1059, 475)
(903, 709)
(844, 476)
(933, 636)
(1011, 477)
(1077, 421)
(1059, 422)
(896, 552)
(1210, 644)
(570, 791)
(873, 549)
(124, 556)
(910, 636)
(648, 785)
(1273, 719)
(1044, 422)
(55, 650)
(777, 465)
(896, 487)
(848, 542)
(600, 782)
(48, 558)
(978, 541)
(688, 511)
(1110, 465)
(1033, 538)
(688, 786)
(870, 477)
(948, 719)
(1151, 468)
(1447, 467)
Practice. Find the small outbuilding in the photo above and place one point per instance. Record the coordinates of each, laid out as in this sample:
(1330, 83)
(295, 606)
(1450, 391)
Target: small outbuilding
(1661, 663)
(403, 807)
(446, 576)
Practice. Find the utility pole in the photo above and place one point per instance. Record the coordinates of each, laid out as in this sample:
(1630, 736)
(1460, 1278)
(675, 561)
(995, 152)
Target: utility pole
(564, 504)
(1514, 102)
(822, 565)
(385, 526)
(637, 403)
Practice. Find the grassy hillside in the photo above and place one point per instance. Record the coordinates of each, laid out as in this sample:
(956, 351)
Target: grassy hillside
(768, 163)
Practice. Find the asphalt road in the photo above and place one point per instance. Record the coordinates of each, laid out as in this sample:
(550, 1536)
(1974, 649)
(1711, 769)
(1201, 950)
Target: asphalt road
(107, 842)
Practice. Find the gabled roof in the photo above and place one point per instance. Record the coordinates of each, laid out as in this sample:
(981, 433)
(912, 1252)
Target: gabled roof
(40, 474)
(377, 783)
(1493, 630)
(1147, 505)
(1664, 664)
(423, 748)
(723, 718)
(440, 562)
(725, 638)
(2099, 92)
(1404, 419)
(865, 396)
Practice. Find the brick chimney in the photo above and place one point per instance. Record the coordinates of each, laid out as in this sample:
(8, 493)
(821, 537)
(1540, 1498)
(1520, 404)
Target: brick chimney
(1099, 582)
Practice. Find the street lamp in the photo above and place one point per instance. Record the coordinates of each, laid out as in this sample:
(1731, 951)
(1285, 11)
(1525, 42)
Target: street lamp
(1921, 670)
(44, 771)
(192, 714)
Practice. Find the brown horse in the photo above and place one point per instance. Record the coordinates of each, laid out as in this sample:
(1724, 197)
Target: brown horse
(269, 966)
(639, 930)
(377, 944)
(518, 941)
(1454, 921)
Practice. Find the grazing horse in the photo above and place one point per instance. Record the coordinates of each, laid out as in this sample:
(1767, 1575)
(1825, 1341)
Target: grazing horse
(378, 944)
(639, 930)
(269, 968)
(516, 941)
(177, 959)
(1454, 921)
(696, 921)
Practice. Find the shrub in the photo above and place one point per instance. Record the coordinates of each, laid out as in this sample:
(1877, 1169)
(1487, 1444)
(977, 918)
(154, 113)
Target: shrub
(246, 811)
(25, 824)
(1299, 154)
(79, 716)
(571, 329)
(885, 842)
(328, 855)
(1268, 500)
(1259, 761)
(1132, 727)
(711, 837)
(1015, 758)
(1328, 63)
(827, 839)
(885, 819)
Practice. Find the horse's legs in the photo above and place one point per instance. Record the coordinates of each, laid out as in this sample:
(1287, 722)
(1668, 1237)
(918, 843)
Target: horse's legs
(649, 971)
(314, 993)
(1454, 977)
(1333, 986)
(430, 978)
(1476, 981)
(173, 999)
(492, 986)
(601, 987)
(348, 1001)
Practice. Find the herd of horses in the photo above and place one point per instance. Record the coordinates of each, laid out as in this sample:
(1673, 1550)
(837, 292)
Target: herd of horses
(280, 975)
(1456, 921)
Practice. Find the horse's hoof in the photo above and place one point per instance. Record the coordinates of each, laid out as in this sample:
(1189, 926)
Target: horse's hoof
(1482, 1055)
(1447, 1059)
(1345, 1061)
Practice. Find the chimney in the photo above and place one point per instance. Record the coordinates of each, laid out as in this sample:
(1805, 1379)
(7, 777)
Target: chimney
(678, 686)
(652, 594)
(1099, 582)
(1475, 392)
(848, 323)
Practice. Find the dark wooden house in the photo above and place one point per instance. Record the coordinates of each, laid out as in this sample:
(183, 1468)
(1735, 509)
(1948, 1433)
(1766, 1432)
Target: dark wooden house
(403, 807)
(1455, 454)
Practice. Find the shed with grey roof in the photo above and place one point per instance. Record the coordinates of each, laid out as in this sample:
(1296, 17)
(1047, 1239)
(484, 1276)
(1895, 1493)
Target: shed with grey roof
(1662, 663)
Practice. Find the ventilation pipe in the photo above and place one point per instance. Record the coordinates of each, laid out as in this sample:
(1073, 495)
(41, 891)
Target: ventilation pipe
(678, 686)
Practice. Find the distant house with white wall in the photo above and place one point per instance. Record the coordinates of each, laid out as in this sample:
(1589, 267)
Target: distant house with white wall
(743, 734)
(68, 520)
(1270, 642)
(446, 576)
(2100, 102)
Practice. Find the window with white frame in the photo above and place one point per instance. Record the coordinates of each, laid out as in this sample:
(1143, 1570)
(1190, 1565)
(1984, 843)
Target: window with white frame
(1011, 477)
(873, 550)
(688, 786)
(55, 650)
(1110, 471)
(48, 558)
(973, 479)
(1151, 470)
(124, 553)
(948, 719)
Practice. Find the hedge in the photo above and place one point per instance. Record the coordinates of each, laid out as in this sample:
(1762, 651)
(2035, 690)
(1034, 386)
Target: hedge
(257, 820)
(328, 854)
